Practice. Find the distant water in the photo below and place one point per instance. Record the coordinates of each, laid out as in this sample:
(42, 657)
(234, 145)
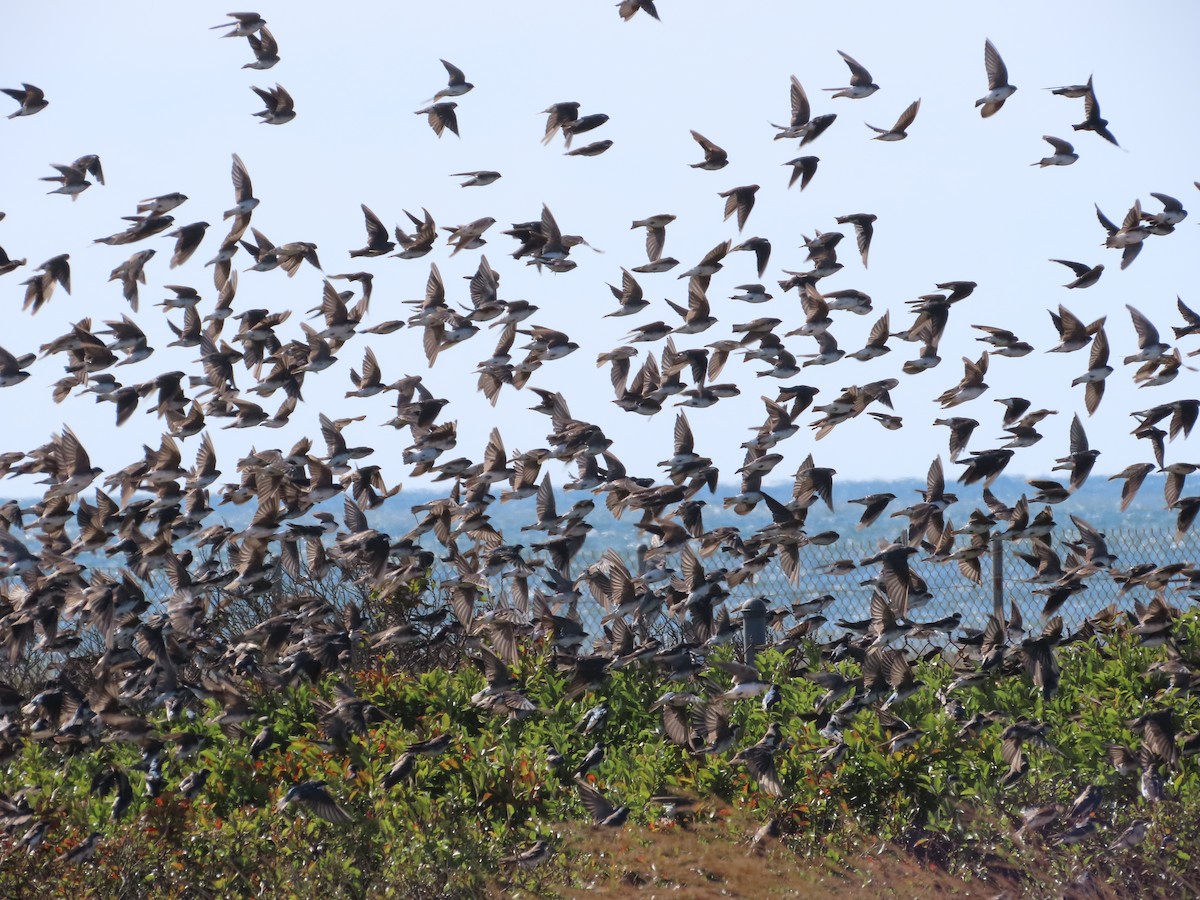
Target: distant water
(1142, 534)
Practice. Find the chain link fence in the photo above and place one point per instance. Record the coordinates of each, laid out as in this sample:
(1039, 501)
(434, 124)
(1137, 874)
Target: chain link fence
(836, 570)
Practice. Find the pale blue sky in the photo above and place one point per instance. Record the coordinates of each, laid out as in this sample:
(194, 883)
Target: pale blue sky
(164, 103)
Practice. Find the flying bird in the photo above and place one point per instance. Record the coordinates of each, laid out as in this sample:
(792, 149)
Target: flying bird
(265, 49)
(999, 89)
(455, 87)
(864, 229)
(714, 157)
(314, 797)
(1092, 120)
(243, 24)
(802, 125)
(739, 200)
(378, 242)
(280, 106)
(656, 233)
(1064, 154)
(627, 9)
(441, 116)
(243, 191)
(1085, 275)
(31, 98)
(899, 131)
(803, 170)
(478, 178)
(861, 84)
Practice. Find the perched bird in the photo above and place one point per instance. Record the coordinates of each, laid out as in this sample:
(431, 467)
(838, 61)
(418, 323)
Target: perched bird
(534, 855)
(1131, 836)
(83, 851)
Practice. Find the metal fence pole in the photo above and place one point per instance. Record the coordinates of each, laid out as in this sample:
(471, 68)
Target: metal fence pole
(998, 577)
(754, 627)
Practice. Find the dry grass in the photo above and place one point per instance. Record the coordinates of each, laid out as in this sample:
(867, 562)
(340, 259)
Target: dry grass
(713, 861)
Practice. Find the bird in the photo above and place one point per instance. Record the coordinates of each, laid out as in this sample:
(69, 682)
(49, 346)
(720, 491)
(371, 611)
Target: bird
(802, 125)
(593, 149)
(864, 229)
(1064, 154)
(899, 131)
(1093, 121)
(533, 855)
(378, 239)
(739, 200)
(627, 9)
(1131, 836)
(1150, 347)
(602, 811)
(441, 117)
(656, 233)
(280, 110)
(265, 49)
(760, 760)
(82, 852)
(803, 170)
(243, 191)
(478, 178)
(861, 84)
(999, 89)
(1098, 371)
(456, 86)
(243, 24)
(714, 157)
(1085, 275)
(314, 797)
(187, 241)
(13, 368)
(72, 179)
(31, 98)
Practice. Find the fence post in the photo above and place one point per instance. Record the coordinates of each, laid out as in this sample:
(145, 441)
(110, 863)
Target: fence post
(754, 627)
(998, 577)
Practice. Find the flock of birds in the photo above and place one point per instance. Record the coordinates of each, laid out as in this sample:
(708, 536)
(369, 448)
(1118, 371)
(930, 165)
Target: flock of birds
(156, 514)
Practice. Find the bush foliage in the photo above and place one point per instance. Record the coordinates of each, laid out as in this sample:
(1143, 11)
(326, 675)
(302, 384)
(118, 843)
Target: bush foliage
(447, 829)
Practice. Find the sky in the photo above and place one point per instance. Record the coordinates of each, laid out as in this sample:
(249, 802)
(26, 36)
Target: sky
(164, 102)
